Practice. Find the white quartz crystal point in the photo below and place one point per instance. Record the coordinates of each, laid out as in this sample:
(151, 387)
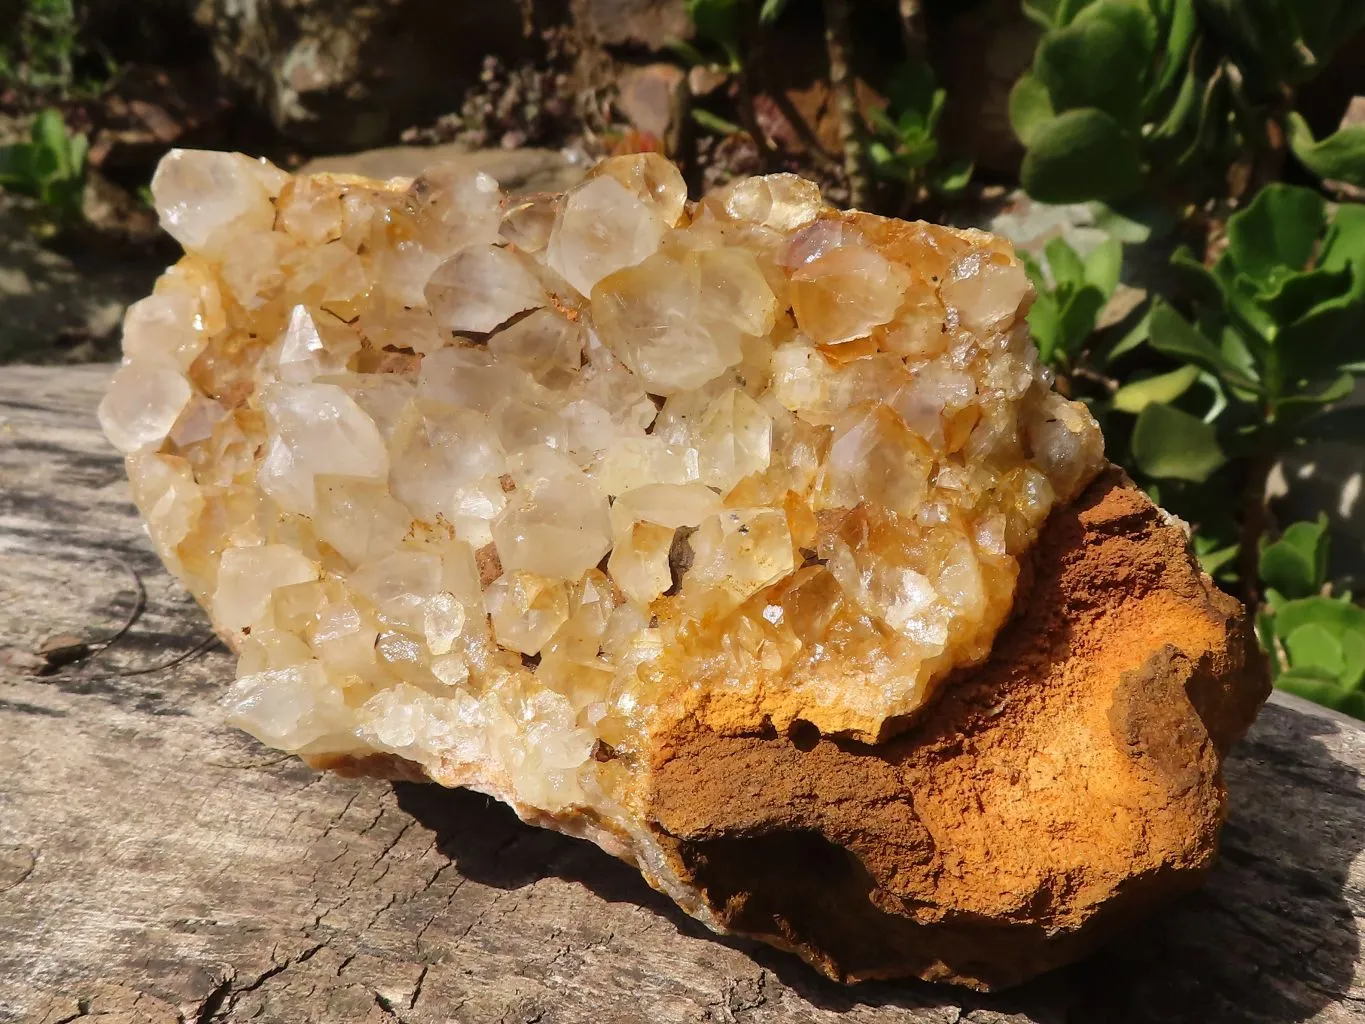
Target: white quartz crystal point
(463, 207)
(316, 430)
(165, 327)
(142, 404)
(783, 202)
(203, 198)
(480, 288)
(556, 523)
(248, 577)
(652, 179)
(289, 708)
(601, 228)
(678, 321)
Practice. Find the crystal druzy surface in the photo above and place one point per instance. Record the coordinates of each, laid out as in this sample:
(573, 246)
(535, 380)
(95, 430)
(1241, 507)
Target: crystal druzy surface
(487, 484)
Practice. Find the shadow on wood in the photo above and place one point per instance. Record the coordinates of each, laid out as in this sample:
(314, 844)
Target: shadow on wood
(1234, 950)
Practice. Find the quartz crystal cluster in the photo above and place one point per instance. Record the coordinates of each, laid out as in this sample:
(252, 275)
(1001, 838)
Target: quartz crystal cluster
(484, 485)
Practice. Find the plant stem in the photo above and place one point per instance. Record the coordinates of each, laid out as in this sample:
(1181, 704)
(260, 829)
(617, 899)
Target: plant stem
(839, 46)
(748, 113)
(1255, 521)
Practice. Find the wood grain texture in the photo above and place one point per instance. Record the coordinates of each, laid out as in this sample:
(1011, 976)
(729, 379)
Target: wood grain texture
(157, 866)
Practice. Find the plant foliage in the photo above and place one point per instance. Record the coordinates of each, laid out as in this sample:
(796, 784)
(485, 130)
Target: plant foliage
(1125, 95)
(49, 166)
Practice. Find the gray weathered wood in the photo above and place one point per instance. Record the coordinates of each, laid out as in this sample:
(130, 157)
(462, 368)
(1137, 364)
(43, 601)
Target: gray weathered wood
(156, 866)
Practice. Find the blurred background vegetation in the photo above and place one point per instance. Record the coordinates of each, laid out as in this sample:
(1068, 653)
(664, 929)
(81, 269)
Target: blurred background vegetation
(1184, 179)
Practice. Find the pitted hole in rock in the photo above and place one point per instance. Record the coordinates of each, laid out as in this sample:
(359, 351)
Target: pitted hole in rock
(803, 735)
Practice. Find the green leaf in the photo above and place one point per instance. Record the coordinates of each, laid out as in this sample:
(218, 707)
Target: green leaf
(1345, 241)
(953, 177)
(1030, 108)
(1340, 156)
(1101, 60)
(1215, 561)
(1052, 13)
(1296, 564)
(1314, 646)
(1310, 684)
(1045, 324)
(1171, 444)
(1077, 319)
(1066, 267)
(1300, 294)
(1034, 270)
(1140, 333)
(912, 88)
(1103, 266)
(771, 11)
(717, 20)
(1339, 616)
(1171, 334)
(1133, 226)
(17, 172)
(1180, 37)
(1278, 229)
(1164, 388)
(1080, 155)
(1305, 403)
(1184, 112)
(714, 122)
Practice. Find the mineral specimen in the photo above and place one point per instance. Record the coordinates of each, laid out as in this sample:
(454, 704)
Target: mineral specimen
(690, 528)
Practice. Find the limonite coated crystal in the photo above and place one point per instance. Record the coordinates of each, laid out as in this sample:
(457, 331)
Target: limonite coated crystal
(488, 484)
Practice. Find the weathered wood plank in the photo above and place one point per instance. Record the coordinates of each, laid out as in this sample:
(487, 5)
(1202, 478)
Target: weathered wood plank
(157, 866)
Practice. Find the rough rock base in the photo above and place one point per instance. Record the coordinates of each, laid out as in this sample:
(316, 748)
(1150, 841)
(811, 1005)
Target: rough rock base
(1043, 801)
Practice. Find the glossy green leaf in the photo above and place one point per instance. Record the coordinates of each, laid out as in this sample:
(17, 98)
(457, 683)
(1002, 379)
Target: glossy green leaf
(1080, 155)
(1216, 560)
(1030, 108)
(1353, 658)
(1180, 38)
(912, 88)
(1173, 335)
(1169, 443)
(1296, 564)
(1132, 222)
(1313, 685)
(1064, 264)
(953, 177)
(1314, 646)
(1165, 388)
(1137, 336)
(1077, 318)
(1101, 60)
(1278, 229)
(1104, 264)
(1340, 156)
(1306, 402)
(1045, 324)
(1344, 244)
(1339, 616)
(1207, 286)
(1298, 295)
(1183, 115)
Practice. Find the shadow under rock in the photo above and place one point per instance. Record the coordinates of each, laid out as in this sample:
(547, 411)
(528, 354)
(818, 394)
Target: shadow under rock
(1270, 938)
(490, 845)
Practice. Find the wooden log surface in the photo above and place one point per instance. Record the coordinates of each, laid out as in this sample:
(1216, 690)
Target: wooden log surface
(158, 866)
